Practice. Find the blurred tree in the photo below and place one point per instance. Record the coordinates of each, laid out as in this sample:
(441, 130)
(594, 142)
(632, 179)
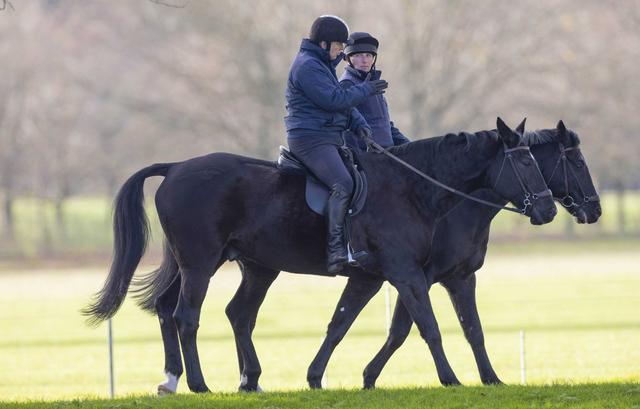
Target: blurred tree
(103, 88)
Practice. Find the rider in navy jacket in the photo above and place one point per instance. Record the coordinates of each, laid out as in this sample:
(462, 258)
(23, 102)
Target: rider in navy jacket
(319, 112)
(374, 108)
(315, 100)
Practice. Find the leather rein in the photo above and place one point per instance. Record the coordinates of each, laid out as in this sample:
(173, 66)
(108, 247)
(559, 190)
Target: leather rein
(529, 196)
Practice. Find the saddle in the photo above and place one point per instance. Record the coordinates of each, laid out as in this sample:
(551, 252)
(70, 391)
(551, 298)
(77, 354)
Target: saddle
(316, 192)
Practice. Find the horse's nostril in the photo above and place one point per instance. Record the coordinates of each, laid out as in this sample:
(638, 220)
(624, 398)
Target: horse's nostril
(552, 212)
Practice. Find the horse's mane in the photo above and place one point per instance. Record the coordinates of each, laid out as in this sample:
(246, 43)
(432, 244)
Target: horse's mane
(429, 149)
(542, 136)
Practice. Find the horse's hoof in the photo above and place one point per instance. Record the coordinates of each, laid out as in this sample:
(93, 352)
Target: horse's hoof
(315, 382)
(199, 389)
(369, 382)
(451, 382)
(493, 381)
(164, 391)
(246, 388)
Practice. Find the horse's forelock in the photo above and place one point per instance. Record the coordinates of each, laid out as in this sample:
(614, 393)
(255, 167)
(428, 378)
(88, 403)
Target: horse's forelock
(542, 136)
(575, 139)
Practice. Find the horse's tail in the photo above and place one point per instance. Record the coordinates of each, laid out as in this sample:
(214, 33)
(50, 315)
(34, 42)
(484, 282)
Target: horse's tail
(130, 233)
(151, 285)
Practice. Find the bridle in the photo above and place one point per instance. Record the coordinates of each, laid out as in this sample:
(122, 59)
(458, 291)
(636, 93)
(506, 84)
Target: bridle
(567, 200)
(530, 197)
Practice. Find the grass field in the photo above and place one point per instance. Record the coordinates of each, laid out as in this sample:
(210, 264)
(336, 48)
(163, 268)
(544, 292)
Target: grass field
(596, 396)
(579, 306)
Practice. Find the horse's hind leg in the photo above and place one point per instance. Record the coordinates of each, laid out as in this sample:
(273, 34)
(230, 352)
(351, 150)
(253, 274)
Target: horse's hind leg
(463, 296)
(242, 312)
(195, 281)
(165, 306)
(354, 298)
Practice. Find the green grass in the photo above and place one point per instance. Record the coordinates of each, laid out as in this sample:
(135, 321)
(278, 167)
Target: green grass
(579, 310)
(620, 395)
(87, 226)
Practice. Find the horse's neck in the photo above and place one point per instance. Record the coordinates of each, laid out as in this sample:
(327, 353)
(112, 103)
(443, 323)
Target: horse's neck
(475, 215)
(455, 169)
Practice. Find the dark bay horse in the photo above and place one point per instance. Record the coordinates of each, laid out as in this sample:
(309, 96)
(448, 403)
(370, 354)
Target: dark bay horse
(226, 207)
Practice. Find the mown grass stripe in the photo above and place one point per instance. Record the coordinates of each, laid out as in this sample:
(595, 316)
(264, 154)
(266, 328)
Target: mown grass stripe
(609, 395)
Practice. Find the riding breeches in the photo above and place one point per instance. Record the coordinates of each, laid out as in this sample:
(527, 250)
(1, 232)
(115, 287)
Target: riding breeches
(324, 160)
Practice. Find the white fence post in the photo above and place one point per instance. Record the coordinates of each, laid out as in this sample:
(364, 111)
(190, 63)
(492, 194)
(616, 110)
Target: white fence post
(387, 299)
(110, 344)
(523, 367)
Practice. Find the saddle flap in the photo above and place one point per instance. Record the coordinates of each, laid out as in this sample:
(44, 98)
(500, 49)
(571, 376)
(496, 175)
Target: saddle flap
(316, 192)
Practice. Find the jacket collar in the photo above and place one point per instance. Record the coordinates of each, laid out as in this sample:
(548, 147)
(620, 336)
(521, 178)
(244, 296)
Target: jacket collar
(312, 48)
(361, 75)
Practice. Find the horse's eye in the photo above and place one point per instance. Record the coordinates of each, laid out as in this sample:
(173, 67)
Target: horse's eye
(579, 161)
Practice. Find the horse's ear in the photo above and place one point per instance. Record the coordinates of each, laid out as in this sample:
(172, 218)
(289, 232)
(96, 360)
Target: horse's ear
(560, 127)
(520, 128)
(563, 135)
(506, 134)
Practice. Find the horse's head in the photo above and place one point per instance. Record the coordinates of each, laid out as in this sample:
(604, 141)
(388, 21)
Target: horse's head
(515, 176)
(565, 170)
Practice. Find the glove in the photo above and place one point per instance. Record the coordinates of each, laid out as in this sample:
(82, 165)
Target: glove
(364, 133)
(377, 86)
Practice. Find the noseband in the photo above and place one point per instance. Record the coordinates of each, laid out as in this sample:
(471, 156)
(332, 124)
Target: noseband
(567, 200)
(529, 197)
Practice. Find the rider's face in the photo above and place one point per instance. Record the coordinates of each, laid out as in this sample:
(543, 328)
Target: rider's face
(362, 61)
(334, 50)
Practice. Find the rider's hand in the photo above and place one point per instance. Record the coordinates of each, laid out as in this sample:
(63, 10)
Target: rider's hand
(365, 134)
(377, 86)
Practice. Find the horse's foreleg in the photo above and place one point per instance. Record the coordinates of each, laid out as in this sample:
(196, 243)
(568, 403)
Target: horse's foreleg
(463, 297)
(355, 296)
(400, 328)
(242, 312)
(412, 289)
(165, 306)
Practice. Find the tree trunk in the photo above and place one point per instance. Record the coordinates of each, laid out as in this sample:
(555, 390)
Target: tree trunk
(8, 232)
(61, 228)
(620, 199)
(45, 248)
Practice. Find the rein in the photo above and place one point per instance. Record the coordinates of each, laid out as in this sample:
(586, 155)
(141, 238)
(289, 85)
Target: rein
(528, 196)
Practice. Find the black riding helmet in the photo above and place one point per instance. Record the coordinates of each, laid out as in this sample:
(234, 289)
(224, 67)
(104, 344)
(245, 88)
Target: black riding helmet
(329, 28)
(360, 42)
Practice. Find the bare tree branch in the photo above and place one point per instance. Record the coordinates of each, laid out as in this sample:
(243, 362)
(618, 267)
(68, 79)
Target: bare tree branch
(177, 6)
(5, 4)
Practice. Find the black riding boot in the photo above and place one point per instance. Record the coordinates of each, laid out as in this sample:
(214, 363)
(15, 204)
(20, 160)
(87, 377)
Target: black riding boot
(336, 210)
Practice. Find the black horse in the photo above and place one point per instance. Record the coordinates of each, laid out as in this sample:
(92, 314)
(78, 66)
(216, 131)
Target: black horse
(459, 248)
(226, 207)
(458, 251)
